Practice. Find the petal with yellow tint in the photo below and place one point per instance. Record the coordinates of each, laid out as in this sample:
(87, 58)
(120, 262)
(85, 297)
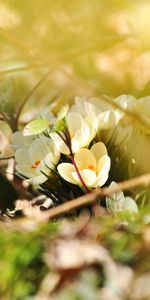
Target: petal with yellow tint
(87, 175)
(59, 143)
(93, 124)
(85, 159)
(81, 138)
(104, 164)
(103, 167)
(100, 180)
(74, 122)
(99, 150)
(107, 119)
(65, 170)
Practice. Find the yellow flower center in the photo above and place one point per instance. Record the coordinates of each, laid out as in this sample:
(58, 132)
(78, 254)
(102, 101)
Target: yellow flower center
(36, 163)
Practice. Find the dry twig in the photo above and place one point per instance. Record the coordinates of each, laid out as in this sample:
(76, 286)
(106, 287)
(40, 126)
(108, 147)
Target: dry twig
(143, 180)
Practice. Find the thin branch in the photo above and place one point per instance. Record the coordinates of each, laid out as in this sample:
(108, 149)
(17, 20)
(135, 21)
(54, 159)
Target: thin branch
(143, 180)
(6, 119)
(31, 93)
(6, 158)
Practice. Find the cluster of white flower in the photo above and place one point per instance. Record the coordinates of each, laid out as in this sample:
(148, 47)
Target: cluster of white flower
(87, 162)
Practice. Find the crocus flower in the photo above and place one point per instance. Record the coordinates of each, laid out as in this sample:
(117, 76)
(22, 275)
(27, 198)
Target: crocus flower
(107, 115)
(85, 107)
(82, 131)
(40, 156)
(93, 166)
(139, 107)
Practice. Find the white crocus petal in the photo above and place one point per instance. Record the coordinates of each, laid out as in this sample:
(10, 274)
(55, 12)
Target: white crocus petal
(107, 115)
(82, 123)
(102, 177)
(98, 150)
(46, 164)
(80, 139)
(39, 148)
(107, 120)
(79, 132)
(55, 151)
(59, 143)
(74, 122)
(25, 170)
(82, 130)
(36, 180)
(127, 102)
(22, 157)
(85, 159)
(104, 164)
(100, 180)
(65, 170)
(93, 123)
(41, 156)
(85, 107)
(142, 108)
(20, 141)
(34, 176)
(87, 175)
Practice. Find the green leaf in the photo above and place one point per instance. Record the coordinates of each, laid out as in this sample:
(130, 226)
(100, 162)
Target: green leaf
(59, 126)
(63, 112)
(60, 123)
(7, 103)
(36, 127)
(117, 202)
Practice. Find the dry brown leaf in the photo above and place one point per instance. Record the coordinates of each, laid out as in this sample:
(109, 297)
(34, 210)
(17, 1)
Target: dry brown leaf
(74, 254)
(141, 288)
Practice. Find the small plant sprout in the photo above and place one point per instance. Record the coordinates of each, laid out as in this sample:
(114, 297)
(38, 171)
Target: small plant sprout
(117, 202)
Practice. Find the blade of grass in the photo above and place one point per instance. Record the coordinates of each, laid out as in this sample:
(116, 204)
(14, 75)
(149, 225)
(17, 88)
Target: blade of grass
(31, 93)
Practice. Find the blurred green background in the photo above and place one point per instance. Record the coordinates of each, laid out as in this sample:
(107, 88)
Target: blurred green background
(91, 47)
(86, 48)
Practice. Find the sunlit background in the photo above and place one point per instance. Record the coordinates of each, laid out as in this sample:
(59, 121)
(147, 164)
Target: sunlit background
(52, 51)
(86, 48)
(69, 48)
(91, 47)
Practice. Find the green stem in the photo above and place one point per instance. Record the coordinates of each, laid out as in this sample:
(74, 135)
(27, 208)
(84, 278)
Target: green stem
(87, 191)
(67, 141)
